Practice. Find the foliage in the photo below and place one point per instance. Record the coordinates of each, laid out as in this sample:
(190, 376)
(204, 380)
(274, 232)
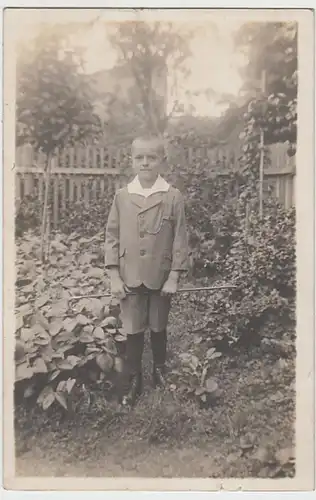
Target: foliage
(147, 52)
(27, 214)
(271, 48)
(262, 265)
(53, 98)
(192, 377)
(90, 218)
(61, 345)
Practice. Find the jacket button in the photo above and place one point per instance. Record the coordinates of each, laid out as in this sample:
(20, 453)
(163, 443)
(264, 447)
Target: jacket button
(142, 234)
(142, 252)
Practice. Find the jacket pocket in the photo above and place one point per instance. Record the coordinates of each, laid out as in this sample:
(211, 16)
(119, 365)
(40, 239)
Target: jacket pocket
(164, 220)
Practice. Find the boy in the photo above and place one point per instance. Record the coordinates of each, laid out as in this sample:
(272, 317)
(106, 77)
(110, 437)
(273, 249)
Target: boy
(146, 250)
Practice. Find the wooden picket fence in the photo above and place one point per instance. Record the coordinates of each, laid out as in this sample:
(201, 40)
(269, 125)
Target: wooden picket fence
(94, 173)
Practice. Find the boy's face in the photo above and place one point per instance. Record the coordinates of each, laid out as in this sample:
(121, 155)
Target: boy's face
(147, 160)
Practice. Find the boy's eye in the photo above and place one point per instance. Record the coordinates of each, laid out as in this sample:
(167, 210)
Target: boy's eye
(149, 157)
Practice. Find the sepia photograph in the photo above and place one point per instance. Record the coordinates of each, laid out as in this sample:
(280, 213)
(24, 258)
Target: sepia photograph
(158, 197)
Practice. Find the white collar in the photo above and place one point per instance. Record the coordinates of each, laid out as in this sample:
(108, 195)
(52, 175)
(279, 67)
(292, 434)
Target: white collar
(160, 185)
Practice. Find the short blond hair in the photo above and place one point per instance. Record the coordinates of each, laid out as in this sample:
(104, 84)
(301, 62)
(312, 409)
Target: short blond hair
(151, 138)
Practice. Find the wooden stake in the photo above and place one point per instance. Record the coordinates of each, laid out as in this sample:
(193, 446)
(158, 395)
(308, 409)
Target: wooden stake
(261, 166)
(44, 217)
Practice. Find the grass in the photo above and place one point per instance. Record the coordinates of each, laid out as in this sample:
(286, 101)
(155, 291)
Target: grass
(166, 435)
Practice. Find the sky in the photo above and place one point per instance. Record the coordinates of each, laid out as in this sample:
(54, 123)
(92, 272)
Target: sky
(214, 63)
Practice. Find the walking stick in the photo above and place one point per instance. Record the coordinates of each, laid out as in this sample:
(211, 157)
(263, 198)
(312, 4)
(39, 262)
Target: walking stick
(180, 290)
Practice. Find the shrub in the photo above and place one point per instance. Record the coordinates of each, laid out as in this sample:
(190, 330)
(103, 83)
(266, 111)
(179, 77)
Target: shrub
(61, 345)
(262, 265)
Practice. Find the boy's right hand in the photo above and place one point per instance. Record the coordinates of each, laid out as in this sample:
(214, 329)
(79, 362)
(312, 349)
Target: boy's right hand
(118, 288)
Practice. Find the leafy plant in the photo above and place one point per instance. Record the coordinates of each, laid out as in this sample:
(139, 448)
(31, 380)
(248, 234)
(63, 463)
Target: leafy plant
(193, 379)
(62, 344)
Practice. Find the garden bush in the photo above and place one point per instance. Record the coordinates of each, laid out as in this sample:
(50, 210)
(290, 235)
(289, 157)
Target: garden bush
(62, 346)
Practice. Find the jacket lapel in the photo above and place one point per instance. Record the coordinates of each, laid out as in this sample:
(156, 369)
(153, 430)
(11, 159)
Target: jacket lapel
(152, 201)
(137, 200)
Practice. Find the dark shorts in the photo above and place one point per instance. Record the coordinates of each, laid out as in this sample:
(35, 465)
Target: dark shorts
(145, 310)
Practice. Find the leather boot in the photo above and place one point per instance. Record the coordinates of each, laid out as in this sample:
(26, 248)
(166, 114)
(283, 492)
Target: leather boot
(134, 391)
(159, 351)
(132, 372)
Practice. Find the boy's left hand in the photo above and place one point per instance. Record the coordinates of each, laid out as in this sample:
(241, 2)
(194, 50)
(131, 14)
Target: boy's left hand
(169, 287)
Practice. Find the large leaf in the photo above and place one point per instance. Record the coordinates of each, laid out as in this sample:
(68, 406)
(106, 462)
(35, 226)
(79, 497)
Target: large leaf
(25, 310)
(40, 319)
(48, 401)
(47, 353)
(44, 393)
(213, 354)
(69, 283)
(85, 258)
(95, 307)
(55, 327)
(29, 391)
(19, 322)
(42, 300)
(74, 325)
(96, 272)
(105, 362)
(39, 366)
(27, 334)
(86, 338)
(211, 385)
(120, 338)
(70, 383)
(61, 386)
(60, 397)
(73, 360)
(190, 360)
(64, 365)
(110, 321)
(98, 333)
(59, 308)
(54, 375)
(23, 372)
(82, 320)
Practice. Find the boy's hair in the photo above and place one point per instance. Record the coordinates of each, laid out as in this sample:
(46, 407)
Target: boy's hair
(151, 138)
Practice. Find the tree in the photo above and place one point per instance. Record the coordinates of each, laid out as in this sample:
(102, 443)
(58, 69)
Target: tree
(53, 107)
(151, 53)
(271, 49)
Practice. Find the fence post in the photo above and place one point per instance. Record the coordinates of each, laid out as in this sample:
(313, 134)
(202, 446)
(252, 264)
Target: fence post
(55, 202)
(44, 216)
(263, 87)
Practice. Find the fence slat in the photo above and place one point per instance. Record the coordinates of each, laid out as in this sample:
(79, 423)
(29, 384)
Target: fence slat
(64, 197)
(86, 192)
(18, 191)
(94, 190)
(71, 158)
(87, 158)
(71, 189)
